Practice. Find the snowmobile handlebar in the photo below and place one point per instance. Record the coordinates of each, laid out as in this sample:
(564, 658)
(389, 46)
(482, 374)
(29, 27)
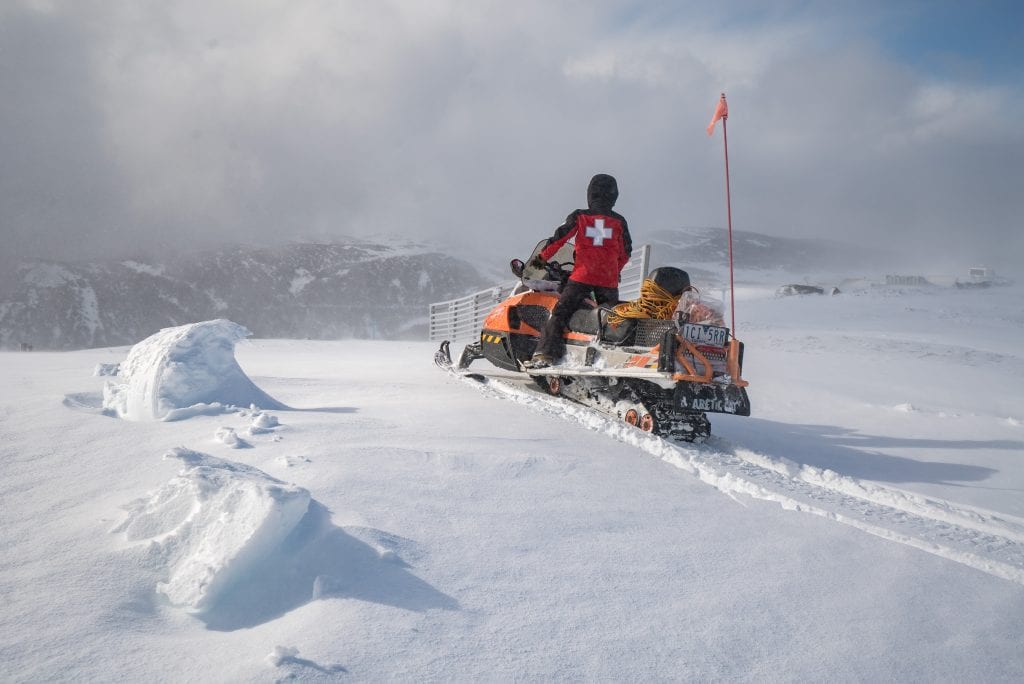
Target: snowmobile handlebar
(557, 272)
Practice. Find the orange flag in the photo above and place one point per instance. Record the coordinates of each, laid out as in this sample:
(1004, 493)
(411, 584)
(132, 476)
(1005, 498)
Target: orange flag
(721, 112)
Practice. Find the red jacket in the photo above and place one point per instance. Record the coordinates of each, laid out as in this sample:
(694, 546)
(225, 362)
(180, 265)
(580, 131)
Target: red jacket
(603, 246)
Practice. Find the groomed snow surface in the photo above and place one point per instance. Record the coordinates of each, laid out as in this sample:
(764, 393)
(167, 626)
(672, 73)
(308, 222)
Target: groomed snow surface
(202, 507)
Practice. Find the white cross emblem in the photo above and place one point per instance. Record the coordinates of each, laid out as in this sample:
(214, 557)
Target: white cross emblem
(598, 233)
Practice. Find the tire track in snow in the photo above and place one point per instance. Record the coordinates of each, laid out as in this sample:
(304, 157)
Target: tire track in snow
(980, 539)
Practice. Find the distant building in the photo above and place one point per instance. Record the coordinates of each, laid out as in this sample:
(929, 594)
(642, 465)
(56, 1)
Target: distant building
(906, 281)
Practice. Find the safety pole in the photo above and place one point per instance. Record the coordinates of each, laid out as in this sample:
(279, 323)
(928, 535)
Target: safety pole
(722, 113)
(728, 212)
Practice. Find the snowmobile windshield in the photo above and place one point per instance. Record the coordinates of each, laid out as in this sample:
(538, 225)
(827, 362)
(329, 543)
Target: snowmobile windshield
(539, 278)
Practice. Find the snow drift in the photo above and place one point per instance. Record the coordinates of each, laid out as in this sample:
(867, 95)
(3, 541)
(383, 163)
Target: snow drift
(184, 371)
(212, 524)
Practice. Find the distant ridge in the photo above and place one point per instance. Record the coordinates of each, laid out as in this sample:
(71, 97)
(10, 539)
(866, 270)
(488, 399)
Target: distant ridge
(706, 250)
(318, 291)
(345, 289)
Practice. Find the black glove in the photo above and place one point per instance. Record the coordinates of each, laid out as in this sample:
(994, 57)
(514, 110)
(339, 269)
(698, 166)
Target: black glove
(538, 262)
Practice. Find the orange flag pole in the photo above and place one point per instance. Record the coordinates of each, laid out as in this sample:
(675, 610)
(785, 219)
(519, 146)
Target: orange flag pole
(722, 113)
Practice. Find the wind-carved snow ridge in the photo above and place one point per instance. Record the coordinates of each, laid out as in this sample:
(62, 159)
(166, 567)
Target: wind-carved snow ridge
(237, 548)
(986, 541)
(182, 372)
(212, 524)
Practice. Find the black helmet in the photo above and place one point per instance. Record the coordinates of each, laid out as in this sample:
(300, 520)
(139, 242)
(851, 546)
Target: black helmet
(602, 192)
(673, 280)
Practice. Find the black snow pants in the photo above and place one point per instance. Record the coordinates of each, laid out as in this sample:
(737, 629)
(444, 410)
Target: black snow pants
(572, 296)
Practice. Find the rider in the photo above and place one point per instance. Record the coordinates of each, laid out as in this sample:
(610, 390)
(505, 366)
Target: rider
(603, 246)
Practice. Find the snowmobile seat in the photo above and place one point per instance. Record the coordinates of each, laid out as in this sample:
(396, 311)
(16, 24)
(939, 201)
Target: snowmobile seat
(617, 334)
(585, 320)
(594, 321)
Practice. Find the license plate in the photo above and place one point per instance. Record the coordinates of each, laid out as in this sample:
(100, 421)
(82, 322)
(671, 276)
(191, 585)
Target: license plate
(711, 335)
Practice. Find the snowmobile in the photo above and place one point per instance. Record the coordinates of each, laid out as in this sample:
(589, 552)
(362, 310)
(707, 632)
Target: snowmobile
(660, 374)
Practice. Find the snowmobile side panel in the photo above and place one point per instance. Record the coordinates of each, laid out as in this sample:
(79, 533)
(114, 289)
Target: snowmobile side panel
(531, 310)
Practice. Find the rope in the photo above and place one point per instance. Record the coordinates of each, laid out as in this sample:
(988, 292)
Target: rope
(654, 302)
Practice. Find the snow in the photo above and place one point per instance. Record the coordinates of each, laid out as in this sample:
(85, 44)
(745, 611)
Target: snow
(213, 525)
(398, 523)
(48, 275)
(90, 310)
(184, 371)
(139, 267)
(300, 281)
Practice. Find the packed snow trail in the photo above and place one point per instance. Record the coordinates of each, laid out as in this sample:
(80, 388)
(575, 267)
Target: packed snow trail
(986, 541)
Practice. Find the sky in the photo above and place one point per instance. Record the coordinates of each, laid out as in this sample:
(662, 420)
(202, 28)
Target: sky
(129, 127)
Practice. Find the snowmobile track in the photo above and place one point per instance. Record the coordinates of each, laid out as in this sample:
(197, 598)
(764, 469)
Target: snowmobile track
(979, 539)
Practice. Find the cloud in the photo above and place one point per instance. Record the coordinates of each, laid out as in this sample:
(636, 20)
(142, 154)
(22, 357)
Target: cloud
(55, 183)
(145, 125)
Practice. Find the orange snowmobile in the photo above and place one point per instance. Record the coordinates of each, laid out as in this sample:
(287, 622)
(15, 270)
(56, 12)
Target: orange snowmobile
(661, 362)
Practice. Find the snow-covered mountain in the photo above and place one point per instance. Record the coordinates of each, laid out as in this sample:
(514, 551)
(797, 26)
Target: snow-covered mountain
(318, 291)
(351, 289)
(704, 253)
